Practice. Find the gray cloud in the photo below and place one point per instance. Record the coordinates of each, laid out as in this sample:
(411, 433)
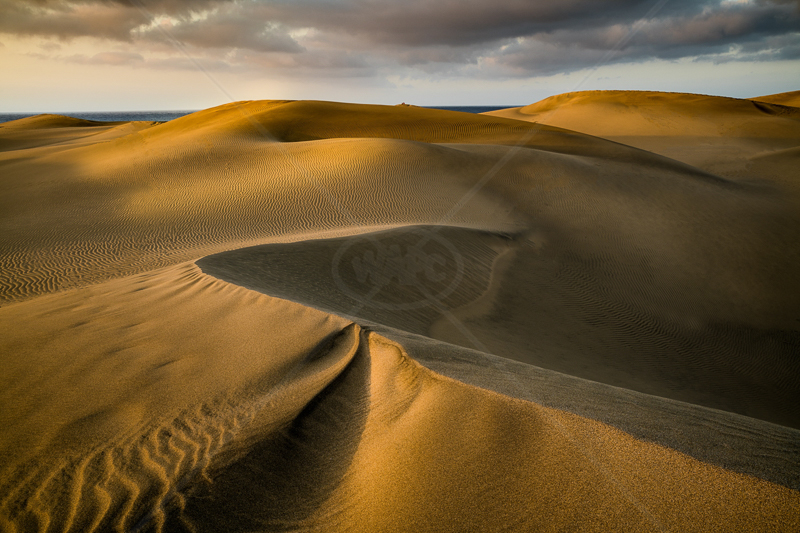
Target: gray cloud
(228, 25)
(756, 31)
(67, 20)
(498, 37)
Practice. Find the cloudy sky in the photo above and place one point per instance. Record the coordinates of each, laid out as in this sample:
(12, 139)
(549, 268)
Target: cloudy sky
(84, 55)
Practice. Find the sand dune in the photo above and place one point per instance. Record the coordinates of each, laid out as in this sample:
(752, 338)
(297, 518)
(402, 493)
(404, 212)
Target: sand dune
(434, 454)
(791, 98)
(550, 300)
(250, 425)
(58, 130)
(110, 406)
(138, 201)
(282, 316)
(719, 135)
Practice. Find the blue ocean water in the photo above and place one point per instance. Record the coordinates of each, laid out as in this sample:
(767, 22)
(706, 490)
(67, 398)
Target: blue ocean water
(163, 116)
(474, 108)
(108, 116)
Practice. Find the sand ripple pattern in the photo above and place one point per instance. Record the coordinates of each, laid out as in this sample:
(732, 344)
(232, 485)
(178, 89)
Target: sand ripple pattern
(129, 205)
(122, 487)
(165, 398)
(132, 197)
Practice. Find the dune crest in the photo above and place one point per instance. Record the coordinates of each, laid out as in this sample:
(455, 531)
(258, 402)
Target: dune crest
(434, 454)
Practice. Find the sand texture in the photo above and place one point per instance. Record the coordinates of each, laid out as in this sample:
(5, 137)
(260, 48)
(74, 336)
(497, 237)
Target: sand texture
(580, 315)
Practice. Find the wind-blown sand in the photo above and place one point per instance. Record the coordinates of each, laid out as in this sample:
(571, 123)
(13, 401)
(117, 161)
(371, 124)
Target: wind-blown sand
(281, 316)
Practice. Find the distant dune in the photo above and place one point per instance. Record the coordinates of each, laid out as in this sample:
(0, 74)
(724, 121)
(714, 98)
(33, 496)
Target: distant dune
(582, 314)
(791, 98)
(716, 134)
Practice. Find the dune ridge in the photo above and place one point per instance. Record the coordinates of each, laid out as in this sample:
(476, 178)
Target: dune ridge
(544, 316)
(418, 466)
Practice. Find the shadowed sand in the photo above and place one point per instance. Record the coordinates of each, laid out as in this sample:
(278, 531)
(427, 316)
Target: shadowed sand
(201, 329)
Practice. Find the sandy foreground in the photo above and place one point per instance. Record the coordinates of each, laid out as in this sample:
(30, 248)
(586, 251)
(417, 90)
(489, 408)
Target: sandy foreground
(578, 315)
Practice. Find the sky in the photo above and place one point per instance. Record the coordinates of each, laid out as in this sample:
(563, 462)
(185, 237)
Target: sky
(121, 55)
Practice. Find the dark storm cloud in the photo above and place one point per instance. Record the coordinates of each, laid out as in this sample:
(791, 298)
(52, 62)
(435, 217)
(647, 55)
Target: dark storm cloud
(228, 26)
(416, 23)
(511, 37)
(736, 31)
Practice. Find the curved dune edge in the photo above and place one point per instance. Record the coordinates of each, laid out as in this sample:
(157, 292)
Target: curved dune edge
(472, 297)
(580, 305)
(435, 454)
(187, 426)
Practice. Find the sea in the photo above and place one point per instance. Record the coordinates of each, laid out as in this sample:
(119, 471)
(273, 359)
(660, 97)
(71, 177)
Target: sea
(164, 116)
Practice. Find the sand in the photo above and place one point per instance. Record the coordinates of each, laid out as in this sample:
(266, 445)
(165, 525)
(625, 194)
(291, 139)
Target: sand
(791, 98)
(722, 136)
(283, 316)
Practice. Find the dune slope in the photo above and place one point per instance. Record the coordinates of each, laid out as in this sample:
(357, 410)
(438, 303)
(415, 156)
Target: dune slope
(163, 194)
(434, 454)
(206, 413)
(717, 134)
(792, 98)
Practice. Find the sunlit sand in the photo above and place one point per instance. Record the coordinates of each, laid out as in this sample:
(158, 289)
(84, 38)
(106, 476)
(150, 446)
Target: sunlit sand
(582, 314)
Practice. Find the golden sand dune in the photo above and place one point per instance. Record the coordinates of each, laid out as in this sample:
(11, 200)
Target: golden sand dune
(433, 454)
(717, 134)
(791, 98)
(186, 403)
(214, 180)
(149, 388)
(644, 113)
(59, 131)
(594, 309)
(116, 396)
